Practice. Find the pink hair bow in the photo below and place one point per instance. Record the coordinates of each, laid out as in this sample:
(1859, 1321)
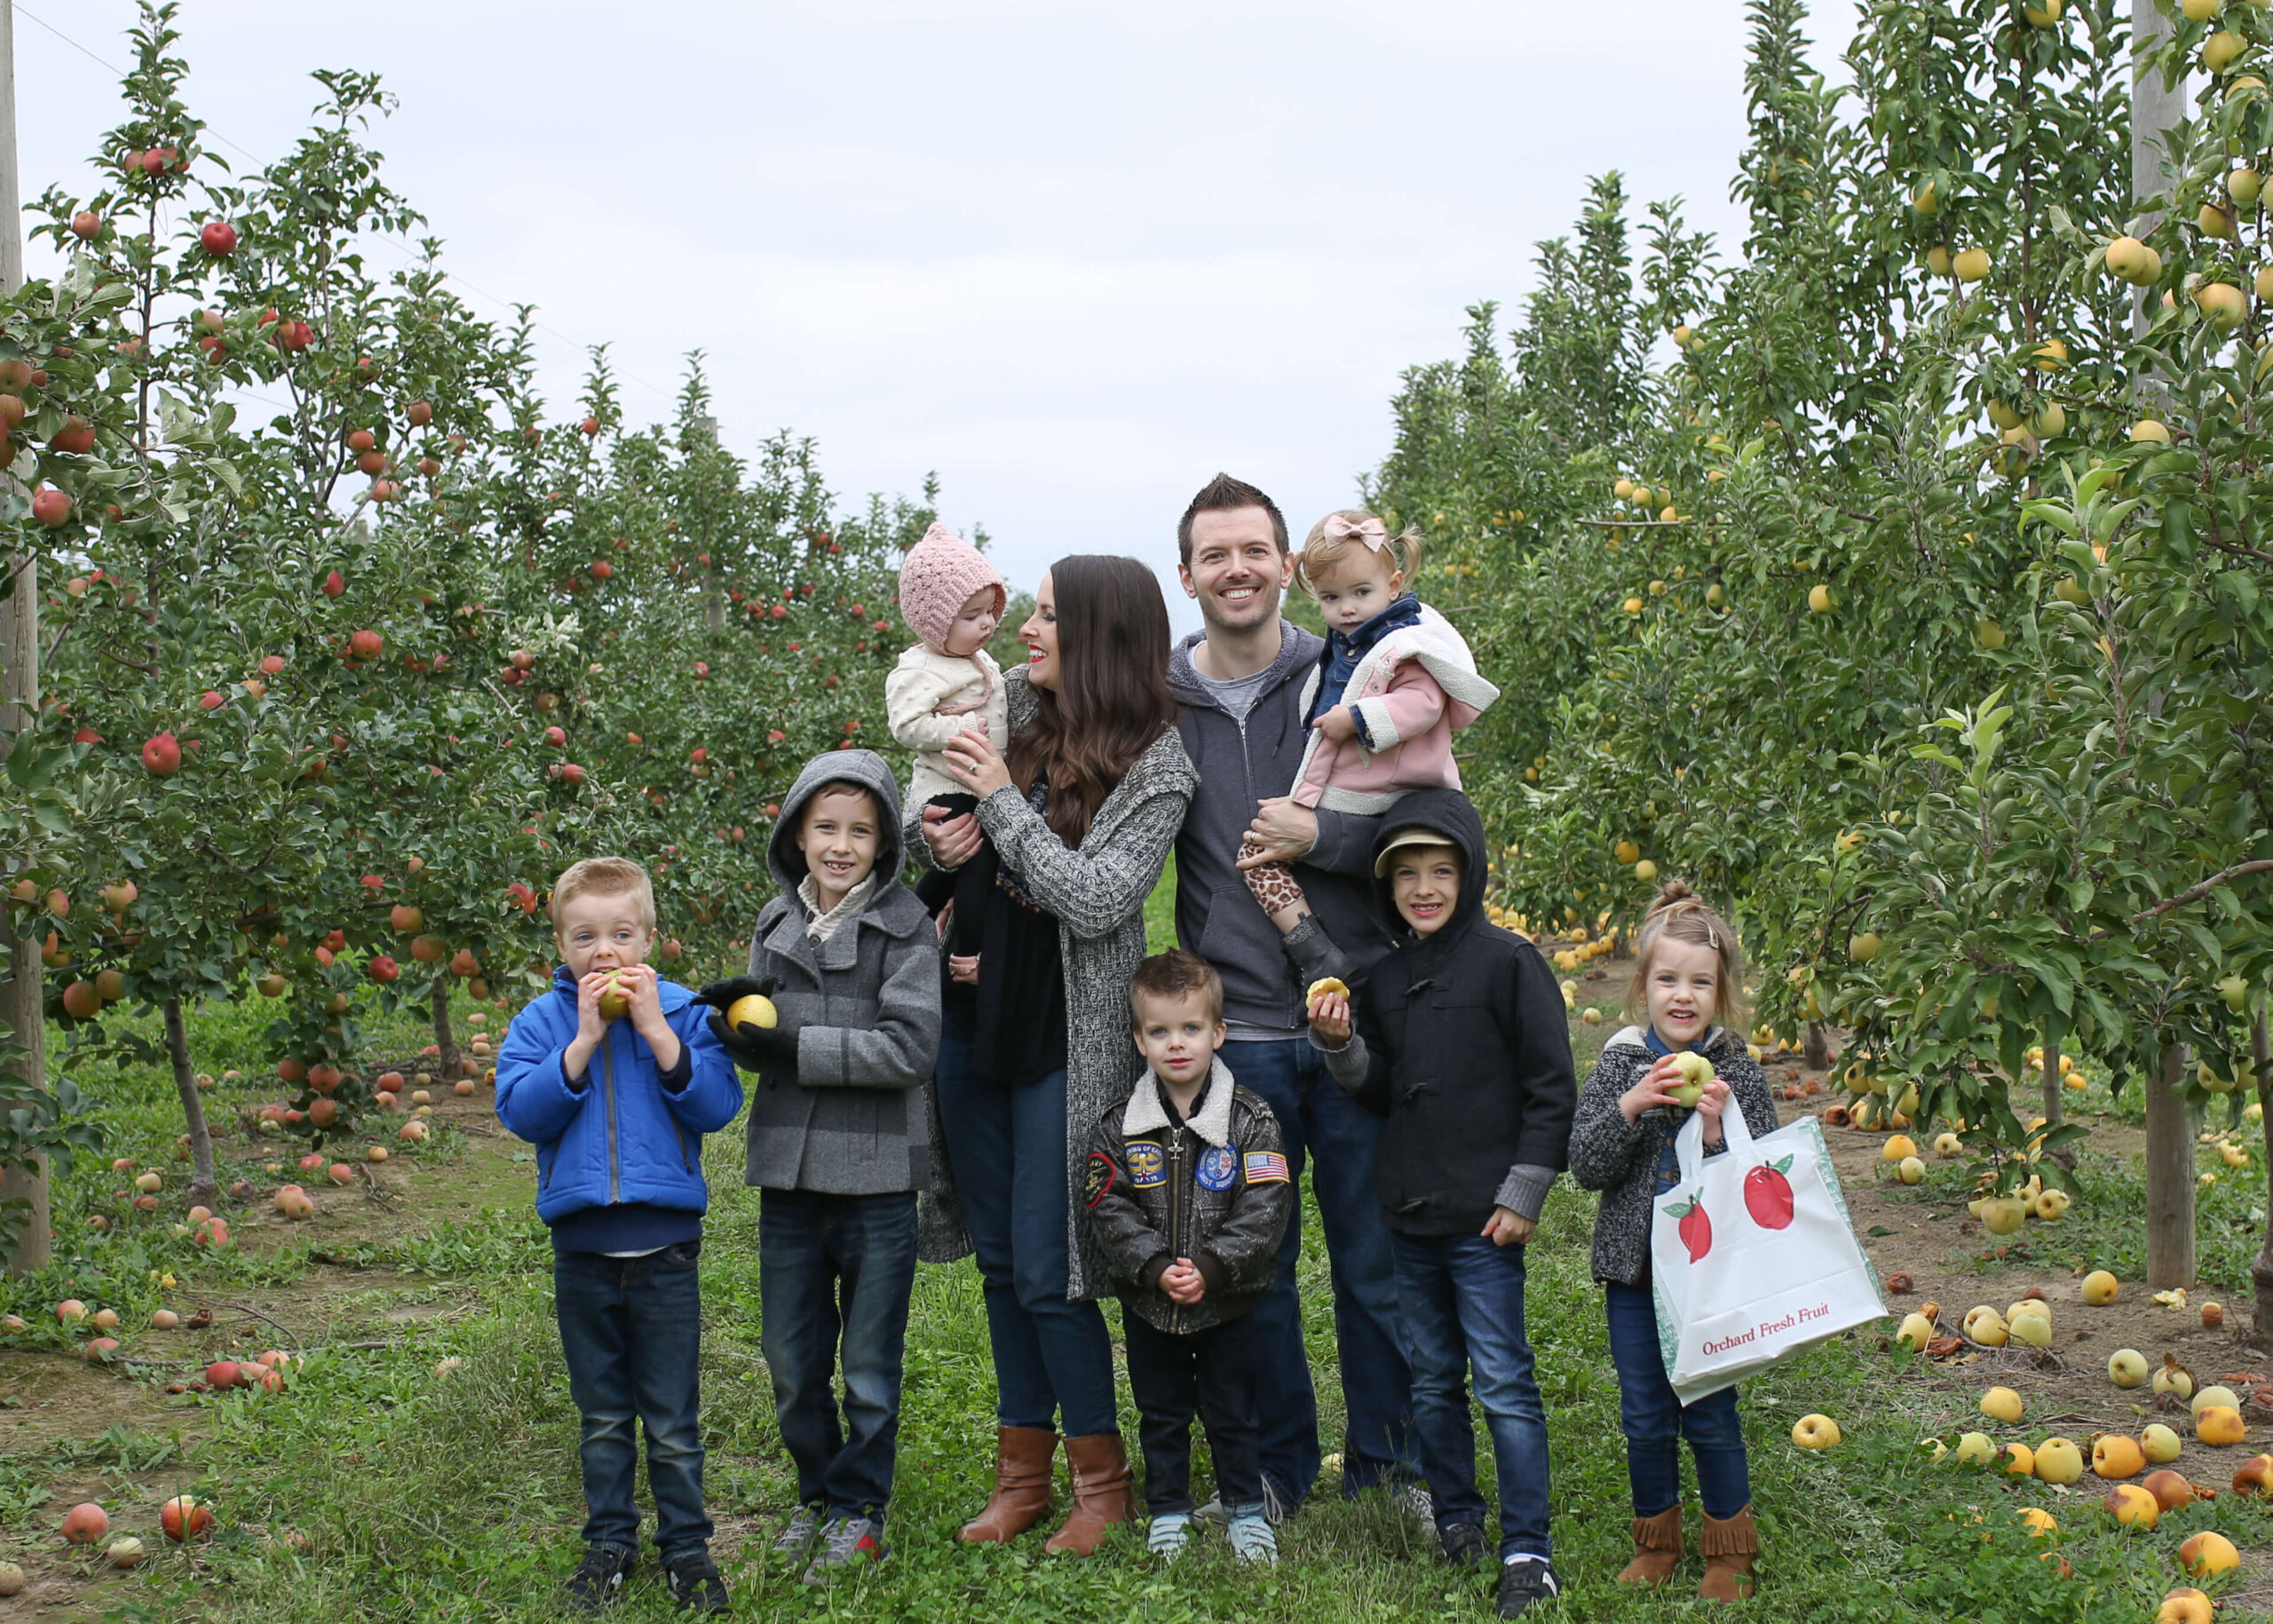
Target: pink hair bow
(1370, 531)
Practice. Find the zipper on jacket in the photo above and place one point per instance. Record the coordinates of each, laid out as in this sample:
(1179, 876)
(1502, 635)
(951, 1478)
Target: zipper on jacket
(607, 1081)
(1176, 1217)
(1246, 780)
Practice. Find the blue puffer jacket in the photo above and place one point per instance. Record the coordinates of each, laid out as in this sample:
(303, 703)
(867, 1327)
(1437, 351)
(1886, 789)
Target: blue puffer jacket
(621, 1137)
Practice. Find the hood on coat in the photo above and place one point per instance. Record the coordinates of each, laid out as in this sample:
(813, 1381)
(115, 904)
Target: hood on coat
(872, 774)
(1298, 652)
(1450, 813)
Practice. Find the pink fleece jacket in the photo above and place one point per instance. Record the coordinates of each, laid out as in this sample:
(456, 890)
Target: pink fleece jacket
(1415, 689)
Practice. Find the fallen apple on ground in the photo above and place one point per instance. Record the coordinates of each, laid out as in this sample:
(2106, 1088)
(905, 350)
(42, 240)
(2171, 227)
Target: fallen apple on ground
(1815, 1432)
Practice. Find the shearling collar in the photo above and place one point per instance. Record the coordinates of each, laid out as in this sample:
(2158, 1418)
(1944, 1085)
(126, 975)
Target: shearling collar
(1148, 1112)
(1638, 1037)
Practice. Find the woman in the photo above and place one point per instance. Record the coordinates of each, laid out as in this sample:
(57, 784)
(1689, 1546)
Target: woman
(1081, 814)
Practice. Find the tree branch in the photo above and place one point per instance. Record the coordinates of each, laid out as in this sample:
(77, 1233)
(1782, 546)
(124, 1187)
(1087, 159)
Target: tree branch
(2195, 893)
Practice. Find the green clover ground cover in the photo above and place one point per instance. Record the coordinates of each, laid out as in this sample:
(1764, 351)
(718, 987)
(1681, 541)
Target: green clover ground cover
(377, 1488)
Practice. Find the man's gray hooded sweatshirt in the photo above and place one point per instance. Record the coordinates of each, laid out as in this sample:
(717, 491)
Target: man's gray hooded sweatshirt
(863, 1001)
(1242, 760)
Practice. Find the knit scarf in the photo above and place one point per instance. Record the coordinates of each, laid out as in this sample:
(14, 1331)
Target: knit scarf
(821, 926)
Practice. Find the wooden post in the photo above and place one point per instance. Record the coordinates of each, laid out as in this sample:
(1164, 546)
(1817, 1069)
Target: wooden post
(2155, 108)
(2051, 1080)
(22, 992)
(2170, 1179)
(2261, 1050)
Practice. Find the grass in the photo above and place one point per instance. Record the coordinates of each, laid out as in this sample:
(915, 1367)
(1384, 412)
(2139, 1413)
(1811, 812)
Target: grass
(410, 1495)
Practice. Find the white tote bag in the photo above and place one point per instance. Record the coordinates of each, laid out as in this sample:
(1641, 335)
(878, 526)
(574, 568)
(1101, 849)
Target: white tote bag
(1751, 1257)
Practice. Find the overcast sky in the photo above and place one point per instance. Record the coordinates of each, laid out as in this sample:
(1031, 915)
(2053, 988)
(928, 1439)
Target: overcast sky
(1075, 258)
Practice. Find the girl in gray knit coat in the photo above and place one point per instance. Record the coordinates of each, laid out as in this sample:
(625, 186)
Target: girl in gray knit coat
(1687, 971)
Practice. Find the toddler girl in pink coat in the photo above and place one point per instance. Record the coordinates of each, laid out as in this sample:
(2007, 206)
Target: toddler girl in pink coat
(1393, 686)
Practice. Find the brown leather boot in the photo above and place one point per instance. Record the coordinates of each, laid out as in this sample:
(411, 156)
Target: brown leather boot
(1728, 1550)
(1657, 1550)
(1021, 1496)
(1103, 1492)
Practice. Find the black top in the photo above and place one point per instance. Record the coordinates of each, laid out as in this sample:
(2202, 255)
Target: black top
(1020, 1029)
(1468, 1048)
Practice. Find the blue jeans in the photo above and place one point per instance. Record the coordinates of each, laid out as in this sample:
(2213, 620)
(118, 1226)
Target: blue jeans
(1656, 1421)
(1341, 1136)
(1007, 1146)
(1464, 1300)
(630, 1331)
(837, 1268)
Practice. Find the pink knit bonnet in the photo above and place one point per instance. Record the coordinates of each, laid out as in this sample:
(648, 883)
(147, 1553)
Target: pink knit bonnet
(942, 571)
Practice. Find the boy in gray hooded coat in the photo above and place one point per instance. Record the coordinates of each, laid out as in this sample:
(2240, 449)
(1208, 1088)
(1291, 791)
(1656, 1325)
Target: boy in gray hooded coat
(839, 1140)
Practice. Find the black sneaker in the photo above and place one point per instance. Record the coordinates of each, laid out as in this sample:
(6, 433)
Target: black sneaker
(597, 1582)
(1464, 1546)
(695, 1583)
(1524, 1581)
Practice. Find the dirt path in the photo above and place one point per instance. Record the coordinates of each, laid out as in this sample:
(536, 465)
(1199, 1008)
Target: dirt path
(129, 1434)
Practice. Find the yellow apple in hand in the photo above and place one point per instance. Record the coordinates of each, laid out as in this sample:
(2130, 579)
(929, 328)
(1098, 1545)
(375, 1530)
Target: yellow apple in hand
(756, 1010)
(1696, 1071)
(615, 1003)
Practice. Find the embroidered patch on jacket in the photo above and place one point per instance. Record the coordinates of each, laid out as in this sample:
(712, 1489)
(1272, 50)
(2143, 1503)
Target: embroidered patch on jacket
(1097, 1178)
(1267, 1167)
(1144, 1169)
(1219, 1165)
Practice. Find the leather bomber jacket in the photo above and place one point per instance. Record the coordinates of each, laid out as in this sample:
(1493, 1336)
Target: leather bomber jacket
(1216, 1189)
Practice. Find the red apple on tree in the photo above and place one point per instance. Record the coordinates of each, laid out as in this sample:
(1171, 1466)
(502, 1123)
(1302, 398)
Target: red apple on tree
(218, 239)
(420, 412)
(51, 507)
(384, 969)
(366, 645)
(162, 755)
(86, 224)
(334, 584)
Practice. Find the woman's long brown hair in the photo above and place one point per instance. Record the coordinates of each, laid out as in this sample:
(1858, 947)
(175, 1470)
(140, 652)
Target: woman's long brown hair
(1112, 699)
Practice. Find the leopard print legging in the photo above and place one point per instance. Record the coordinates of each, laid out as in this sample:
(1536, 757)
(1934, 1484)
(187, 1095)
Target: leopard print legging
(1274, 884)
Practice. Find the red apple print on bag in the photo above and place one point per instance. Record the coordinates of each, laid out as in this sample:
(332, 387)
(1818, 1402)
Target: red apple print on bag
(1768, 1194)
(1696, 1230)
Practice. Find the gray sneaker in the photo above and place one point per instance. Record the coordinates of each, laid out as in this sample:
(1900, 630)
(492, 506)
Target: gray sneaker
(1169, 1535)
(1252, 1538)
(846, 1542)
(793, 1544)
(1276, 1511)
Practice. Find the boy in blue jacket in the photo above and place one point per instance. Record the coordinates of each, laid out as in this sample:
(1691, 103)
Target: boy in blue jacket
(615, 1077)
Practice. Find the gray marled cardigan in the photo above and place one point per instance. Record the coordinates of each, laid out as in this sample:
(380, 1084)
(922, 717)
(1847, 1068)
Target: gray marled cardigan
(1097, 894)
(1620, 1158)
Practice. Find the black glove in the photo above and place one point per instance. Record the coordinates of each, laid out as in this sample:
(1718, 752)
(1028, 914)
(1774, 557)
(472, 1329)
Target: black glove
(771, 1049)
(720, 995)
(752, 1048)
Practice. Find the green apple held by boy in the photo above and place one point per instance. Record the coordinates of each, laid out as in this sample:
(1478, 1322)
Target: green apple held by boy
(1458, 1037)
(617, 1108)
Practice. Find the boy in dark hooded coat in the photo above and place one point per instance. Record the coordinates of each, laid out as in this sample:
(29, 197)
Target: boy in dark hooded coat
(1460, 1041)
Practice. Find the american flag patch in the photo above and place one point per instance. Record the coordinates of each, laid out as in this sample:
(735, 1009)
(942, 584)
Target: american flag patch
(1267, 1167)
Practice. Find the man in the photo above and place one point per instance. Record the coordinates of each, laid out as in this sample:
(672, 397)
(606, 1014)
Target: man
(1239, 682)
